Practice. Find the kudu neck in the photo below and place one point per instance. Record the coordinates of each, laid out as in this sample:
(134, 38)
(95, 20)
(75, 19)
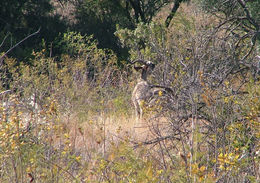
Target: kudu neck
(144, 75)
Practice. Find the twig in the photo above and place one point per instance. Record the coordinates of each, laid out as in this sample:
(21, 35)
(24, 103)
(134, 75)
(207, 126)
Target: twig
(24, 39)
(4, 92)
(4, 40)
(155, 141)
(168, 89)
(58, 166)
(251, 20)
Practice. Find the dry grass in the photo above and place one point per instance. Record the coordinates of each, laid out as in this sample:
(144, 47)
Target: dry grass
(101, 131)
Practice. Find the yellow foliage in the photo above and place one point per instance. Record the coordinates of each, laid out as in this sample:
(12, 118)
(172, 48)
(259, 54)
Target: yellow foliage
(160, 93)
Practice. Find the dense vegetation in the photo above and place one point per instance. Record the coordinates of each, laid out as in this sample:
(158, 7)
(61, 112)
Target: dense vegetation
(66, 83)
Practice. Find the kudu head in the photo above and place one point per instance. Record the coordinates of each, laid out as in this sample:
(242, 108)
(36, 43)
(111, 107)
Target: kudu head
(145, 68)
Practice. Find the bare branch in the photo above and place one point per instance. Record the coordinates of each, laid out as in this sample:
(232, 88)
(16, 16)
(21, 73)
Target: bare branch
(160, 86)
(5, 92)
(173, 11)
(156, 140)
(24, 39)
(4, 40)
(249, 17)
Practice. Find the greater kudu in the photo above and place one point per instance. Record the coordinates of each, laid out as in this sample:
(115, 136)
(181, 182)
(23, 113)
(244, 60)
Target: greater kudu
(144, 92)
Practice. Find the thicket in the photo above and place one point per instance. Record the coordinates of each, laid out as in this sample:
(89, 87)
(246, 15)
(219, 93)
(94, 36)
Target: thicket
(46, 98)
(56, 17)
(54, 109)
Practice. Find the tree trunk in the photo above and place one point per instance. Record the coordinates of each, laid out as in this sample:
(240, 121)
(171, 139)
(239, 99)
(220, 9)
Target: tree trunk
(173, 11)
(138, 10)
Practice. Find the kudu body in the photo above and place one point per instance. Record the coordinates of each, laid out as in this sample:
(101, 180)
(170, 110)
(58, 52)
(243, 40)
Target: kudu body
(144, 92)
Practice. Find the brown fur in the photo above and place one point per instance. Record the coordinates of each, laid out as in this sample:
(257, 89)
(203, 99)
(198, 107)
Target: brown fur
(143, 90)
